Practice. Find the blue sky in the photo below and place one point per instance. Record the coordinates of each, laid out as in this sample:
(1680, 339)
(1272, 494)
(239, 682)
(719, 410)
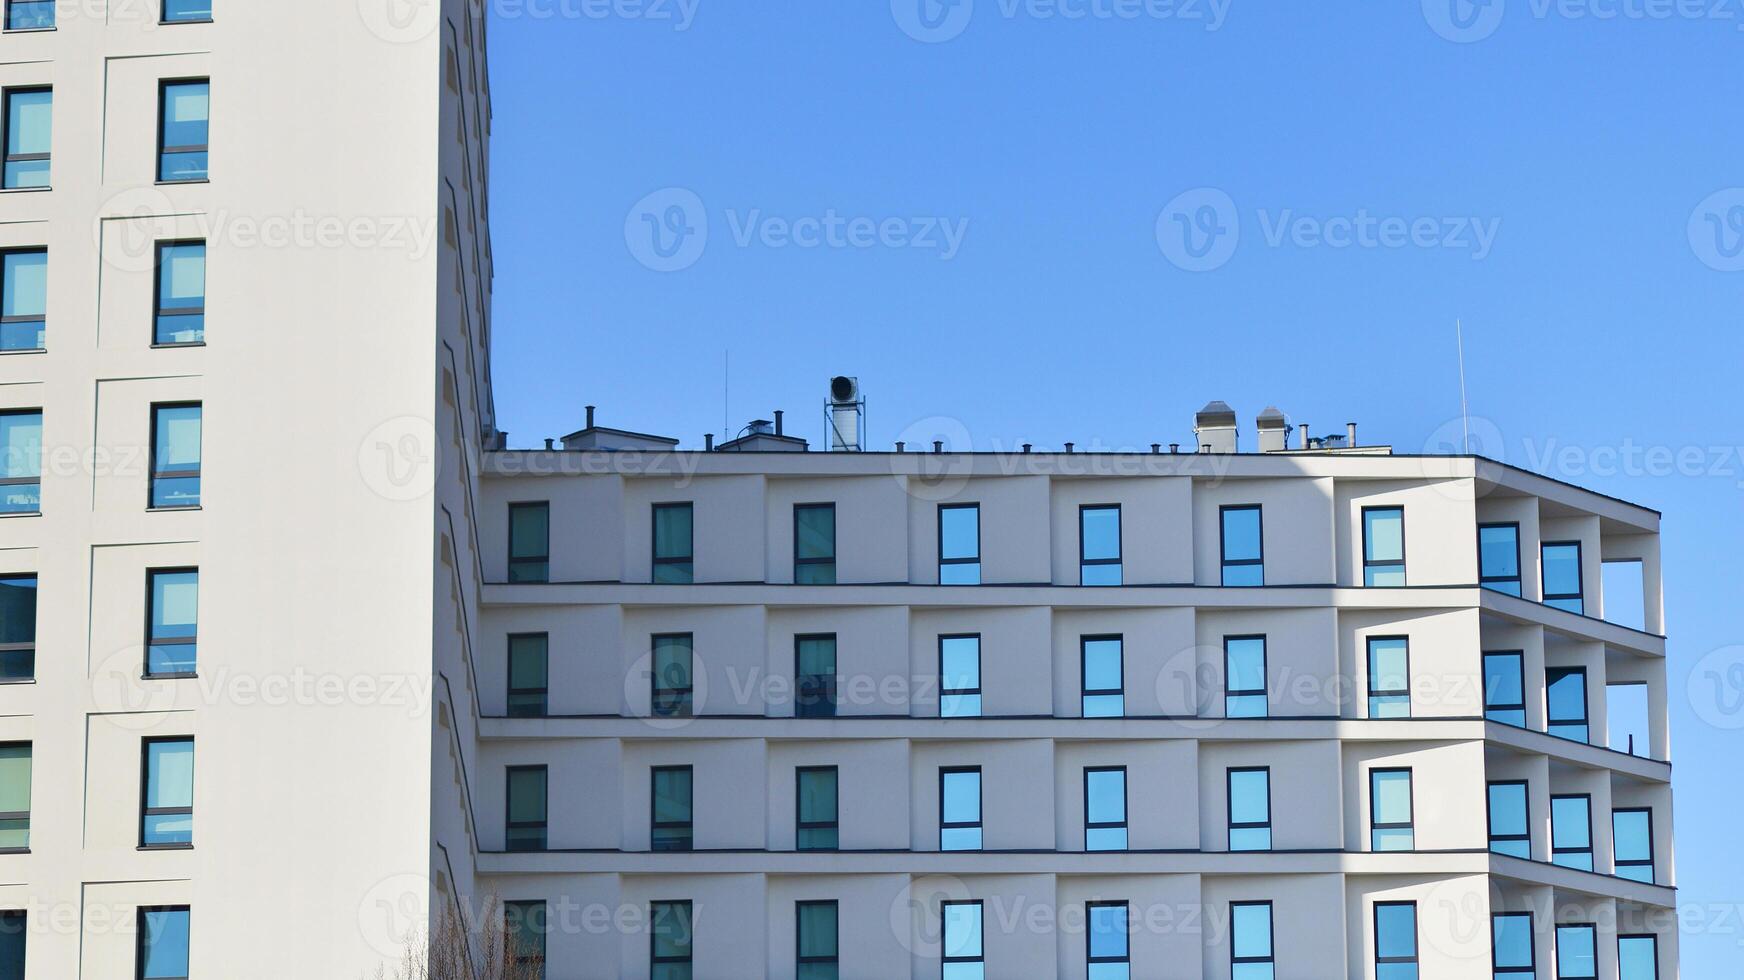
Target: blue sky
(980, 214)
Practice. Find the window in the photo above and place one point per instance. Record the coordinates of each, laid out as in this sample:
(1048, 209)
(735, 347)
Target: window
(1389, 677)
(1100, 663)
(166, 811)
(960, 676)
(1250, 941)
(1105, 809)
(24, 299)
(1099, 544)
(1244, 671)
(1571, 831)
(1637, 957)
(1510, 831)
(14, 930)
(1632, 843)
(17, 628)
(1511, 953)
(181, 294)
(530, 542)
(1250, 809)
(818, 810)
(172, 633)
(30, 15)
(1505, 688)
(1395, 941)
(163, 943)
(1384, 548)
(669, 938)
(524, 927)
(1499, 557)
(814, 544)
(1110, 949)
(186, 11)
(964, 957)
(959, 544)
(1576, 952)
(671, 813)
(960, 809)
(1562, 575)
(29, 119)
(814, 676)
(529, 675)
(1390, 827)
(819, 951)
(673, 676)
(21, 462)
(175, 455)
(674, 563)
(14, 796)
(1243, 546)
(1565, 696)
(185, 111)
(525, 826)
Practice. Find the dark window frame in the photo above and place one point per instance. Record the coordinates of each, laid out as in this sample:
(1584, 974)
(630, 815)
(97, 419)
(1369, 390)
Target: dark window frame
(1265, 675)
(687, 559)
(959, 691)
(1592, 930)
(24, 815)
(29, 649)
(28, 30)
(41, 321)
(543, 824)
(1520, 661)
(1546, 597)
(1271, 937)
(521, 909)
(1090, 957)
(799, 957)
(1373, 692)
(1231, 825)
(163, 87)
(800, 824)
(1489, 581)
(944, 933)
(543, 693)
(979, 823)
(1589, 850)
(1085, 693)
(1416, 942)
(16, 922)
(1119, 543)
(145, 811)
(1490, 817)
(6, 95)
(542, 559)
(940, 531)
(159, 311)
(1410, 823)
(655, 825)
(798, 562)
(1223, 513)
(1368, 563)
(196, 473)
(139, 944)
(810, 702)
(1652, 852)
(164, 18)
(680, 702)
(654, 959)
(1530, 970)
(152, 641)
(1585, 720)
(1123, 824)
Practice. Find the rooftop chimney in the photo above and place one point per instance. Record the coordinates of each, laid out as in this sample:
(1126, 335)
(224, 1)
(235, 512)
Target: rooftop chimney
(1215, 428)
(1273, 430)
(1350, 434)
(589, 417)
(778, 414)
(847, 414)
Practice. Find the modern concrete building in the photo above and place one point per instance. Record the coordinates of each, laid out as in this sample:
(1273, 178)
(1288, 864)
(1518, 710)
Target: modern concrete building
(285, 688)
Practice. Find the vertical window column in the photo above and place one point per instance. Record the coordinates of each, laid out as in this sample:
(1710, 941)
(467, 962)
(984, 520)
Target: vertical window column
(15, 765)
(1389, 677)
(814, 676)
(1638, 957)
(1499, 557)
(673, 677)
(964, 952)
(14, 933)
(1562, 575)
(1511, 954)
(1396, 941)
(1244, 673)
(525, 925)
(818, 956)
(1632, 843)
(1109, 956)
(1565, 702)
(1571, 831)
(163, 943)
(670, 938)
(1577, 952)
(1505, 688)
(1510, 830)
(21, 462)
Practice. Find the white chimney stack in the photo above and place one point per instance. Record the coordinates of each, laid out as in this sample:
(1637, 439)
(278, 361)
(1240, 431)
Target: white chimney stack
(847, 414)
(1214, 425)
(1273, 430)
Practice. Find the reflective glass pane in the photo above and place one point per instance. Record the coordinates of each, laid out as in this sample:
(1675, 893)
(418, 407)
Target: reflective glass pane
(1503, 683)
(672, 531)
(1105, 796)
(960, 574)
(960, 663)
(670, 924)
(1576, 953)
(1384, 535)
(24, 283)
(1241, 534)
(18, 609)
(175, 604)
(959, 532)
(1395, 931)
(1511, 939)
(186, 114)
(175, 11)
(1251, 929)
(1499, 551)
(1100, 527)
(814, 532)
(163, 943)
(1245, 706)
(962, 797)
(178, 437)
(1638, 958)
(1247, 664)
(1562, 571)
(169, 774)
(1244, 576)
(1105, 839)
(960, 706)
(962, 927)
(1104, 706)
(529, 530)
(526, 795)
(15, 794)
(672, 801)
(1100, 575)
(1566, 703)
(29, 121)
(528, 661)
(1250, 796)
(1108, 931)
(816, 656)
(817, 796)
(1388, 665)
(182, 276)
(14, 935)
(817, 929)
(1102, 665)
(30, 15)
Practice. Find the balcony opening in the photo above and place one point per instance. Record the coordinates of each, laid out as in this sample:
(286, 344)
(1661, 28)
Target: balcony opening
(1626, 719)
(1625, 594)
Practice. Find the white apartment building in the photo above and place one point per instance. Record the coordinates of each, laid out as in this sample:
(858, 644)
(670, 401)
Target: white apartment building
(282, 688)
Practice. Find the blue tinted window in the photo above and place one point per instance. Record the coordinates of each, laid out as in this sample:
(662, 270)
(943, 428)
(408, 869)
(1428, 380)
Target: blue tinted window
(959, 676)
(14, 931)
(670, 939)
(1389, 677)
(1511, 945)
(1103, 683)
(30, 15)
(1638, 958)
(671, 814)
(24, 299)
(186, 114)
(673, 537)
(167, 817)
(1099, 545)
(525, 793)
(181, 293)
(673, 676)
(175, 456)
(1571, 832)
(529, 675)
(1504, 688)
(1509, 830)
(175, 616)
(814, 544)
(1576, 953)
(1244, 677)
(17, 628)
(1390, 810)
(1250, 927)
(1110, 949)
(1105, 809)
(1395, 941)
(1383, 546)
(959, 544)
(1499, 557)
(960, 810)
(961, 949)
(819, 946)
(15, 767)
(1243, 558)
(814, 676)
(1565, 695)
(1250, 810)
(183, 11)
(163, 943)
(29, 118)
(1632, 841)
(819, 818)
(530, 541)
(1562, 575)
(20, 462)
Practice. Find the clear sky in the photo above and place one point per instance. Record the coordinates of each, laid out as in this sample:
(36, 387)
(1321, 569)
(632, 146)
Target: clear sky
(1014, 224)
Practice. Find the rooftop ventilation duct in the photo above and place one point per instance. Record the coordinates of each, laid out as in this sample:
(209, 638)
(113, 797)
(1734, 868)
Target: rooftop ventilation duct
(1274, 430)
(846, 411)
(1215, 427)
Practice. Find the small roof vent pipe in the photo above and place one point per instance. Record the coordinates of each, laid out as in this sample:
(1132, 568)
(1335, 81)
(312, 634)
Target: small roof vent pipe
(590, 416)
(1350, 434)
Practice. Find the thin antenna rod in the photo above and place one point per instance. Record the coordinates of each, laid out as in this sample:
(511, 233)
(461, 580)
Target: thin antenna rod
(726, 381)
(1464, 410)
